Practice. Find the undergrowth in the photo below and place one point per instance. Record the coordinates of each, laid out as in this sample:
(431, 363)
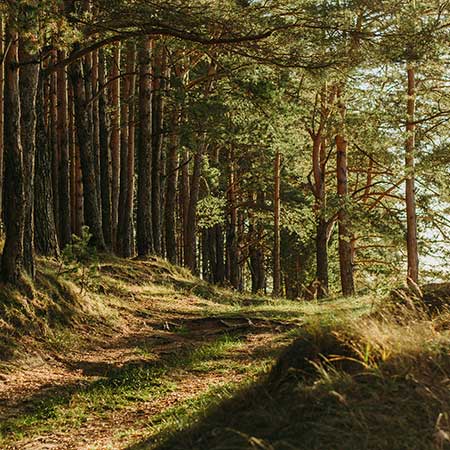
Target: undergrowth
(368, 384)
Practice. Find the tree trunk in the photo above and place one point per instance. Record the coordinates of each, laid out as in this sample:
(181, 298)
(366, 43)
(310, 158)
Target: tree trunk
(65, 230)
(159, 69)
(172, 177)
(322, 257)
(191, 237)
(411, 216)
(92, 215)
(319, 167)
(53, 135)
(45, 238)
(105, 169)
(144, 152)
(115, 141)
(219, 273)
(72, 159)
(345, 235)
(2, 82)
(184, 201)
(14, 208)
(124, 244)
(276, 221)
(233, 272)
(94, 106)
(131, 150)
(28, 81)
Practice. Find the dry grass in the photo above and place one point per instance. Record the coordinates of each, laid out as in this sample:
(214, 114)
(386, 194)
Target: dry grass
(379, 383)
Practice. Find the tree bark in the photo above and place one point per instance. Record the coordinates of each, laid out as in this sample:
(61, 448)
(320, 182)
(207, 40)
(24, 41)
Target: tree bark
(115, 140)
(184, 201)
(53, 135)
(191, 237)
(159, 69)
(105, 168)
(411, 215)
(46, 239)
(233, 270)
(92, 215)
(124, 244)
(2, 82)
(144, 152)
(172, 177)
(14, 208)
(276, 221)
(320, 208)
(65, 230)
(28, 83)
(345, 235)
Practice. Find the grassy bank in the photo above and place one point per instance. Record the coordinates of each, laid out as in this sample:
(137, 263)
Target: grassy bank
(146, 356)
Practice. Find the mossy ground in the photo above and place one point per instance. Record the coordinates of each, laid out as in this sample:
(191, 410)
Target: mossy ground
(149, 357)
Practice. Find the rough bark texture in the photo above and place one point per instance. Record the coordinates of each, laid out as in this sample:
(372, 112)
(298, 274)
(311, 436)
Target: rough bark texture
(144, 153)
(233, 272)
(276, 223)
(53, 136)
(65, 229)
(14, 207)
(219, 272)
(124, 244)
(105, 168)
(172, 177)
(191, 247)
(45, 239)
(184, 200)
(28, 83)
(2, 81)
(411, 221)
(159, 68)
(345, 236)
(115, 140)
(320, 208)
(92, 215)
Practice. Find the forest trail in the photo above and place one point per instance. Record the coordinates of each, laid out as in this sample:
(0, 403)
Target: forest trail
(117, 386)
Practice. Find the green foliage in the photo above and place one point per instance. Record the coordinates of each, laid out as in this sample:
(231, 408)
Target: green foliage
(80, 260)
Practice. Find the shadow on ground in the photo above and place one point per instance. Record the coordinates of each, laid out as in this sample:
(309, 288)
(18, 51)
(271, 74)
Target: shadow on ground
(159, 354)
(320, 396)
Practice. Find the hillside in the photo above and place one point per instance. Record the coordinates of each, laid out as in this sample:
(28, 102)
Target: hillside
(147, 356)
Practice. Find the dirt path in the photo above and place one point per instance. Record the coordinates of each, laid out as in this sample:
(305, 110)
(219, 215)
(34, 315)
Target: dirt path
(150, 338)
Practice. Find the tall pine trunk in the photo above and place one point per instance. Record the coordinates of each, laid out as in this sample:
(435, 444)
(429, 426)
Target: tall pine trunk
(411, 215)
(191, 231)
(14, 208)
(105, 168)
(232, 256)
(92, 214)
(276, 221)
(2, 82)
(345, 235)
(28, 83)
(319, 167)
(144, 152)
(65, 230)
(115, 140)
(171, 190)
(45, 239)
(159, 69)
(124, 242)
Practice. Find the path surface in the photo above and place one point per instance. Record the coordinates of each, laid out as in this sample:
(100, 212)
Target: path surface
(153, 333)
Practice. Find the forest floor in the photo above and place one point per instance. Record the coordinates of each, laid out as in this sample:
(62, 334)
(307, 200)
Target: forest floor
(154, 358)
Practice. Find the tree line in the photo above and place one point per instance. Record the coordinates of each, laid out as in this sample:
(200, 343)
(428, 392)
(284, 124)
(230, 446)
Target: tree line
(277, 146)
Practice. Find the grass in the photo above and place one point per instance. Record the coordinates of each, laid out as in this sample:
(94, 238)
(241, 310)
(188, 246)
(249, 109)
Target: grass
(366, 384)
(232, 371)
